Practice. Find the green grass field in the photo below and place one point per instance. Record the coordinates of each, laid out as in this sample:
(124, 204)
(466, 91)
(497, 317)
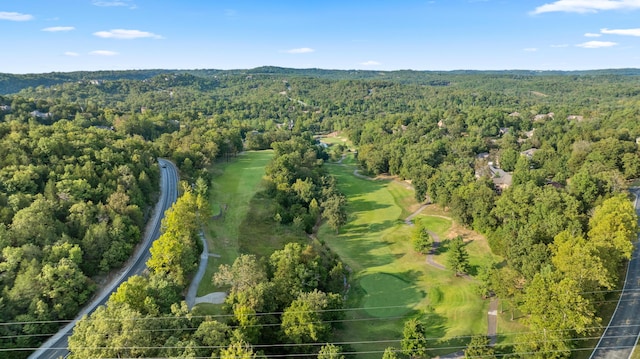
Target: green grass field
(390, 281)
(246, 225)
(234, 185)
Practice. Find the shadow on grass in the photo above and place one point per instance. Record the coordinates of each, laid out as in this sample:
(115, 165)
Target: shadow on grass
(259, 234)
(386, 295)
(365, 206)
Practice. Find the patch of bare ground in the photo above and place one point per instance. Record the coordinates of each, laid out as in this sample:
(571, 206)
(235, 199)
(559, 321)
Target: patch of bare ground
(466, 234)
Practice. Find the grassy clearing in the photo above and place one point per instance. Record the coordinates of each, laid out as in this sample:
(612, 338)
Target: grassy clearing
(439, 225)
(335, 138)
(390, 281)
(234, 185)
(246, 225)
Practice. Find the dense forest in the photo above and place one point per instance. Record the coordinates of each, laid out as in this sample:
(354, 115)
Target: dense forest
(538, 162)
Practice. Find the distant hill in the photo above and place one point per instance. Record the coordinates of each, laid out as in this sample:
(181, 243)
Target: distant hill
(11, 83)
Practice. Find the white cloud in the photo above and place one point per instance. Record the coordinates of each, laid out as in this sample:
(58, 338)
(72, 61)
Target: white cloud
(587, 6)
(596, 44)
(126, 34)
(591, 34)
(560, 46)
(370, 63)
(111, 3)
(530, 49)
(627, 32)
(15, 16)
(58, 28)
(302, 50)
(71, 53)
(103, 53)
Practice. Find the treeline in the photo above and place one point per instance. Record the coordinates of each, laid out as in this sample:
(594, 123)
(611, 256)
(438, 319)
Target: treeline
(146, 312)
(289, 298)
(301, 186)
(73, 204)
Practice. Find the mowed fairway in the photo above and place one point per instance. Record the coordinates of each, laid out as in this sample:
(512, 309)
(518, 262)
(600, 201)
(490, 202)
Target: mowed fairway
(234, 185)
(390, 282)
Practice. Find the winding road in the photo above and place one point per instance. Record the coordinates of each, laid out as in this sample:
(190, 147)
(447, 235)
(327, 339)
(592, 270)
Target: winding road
(56, 346)
(622, 333)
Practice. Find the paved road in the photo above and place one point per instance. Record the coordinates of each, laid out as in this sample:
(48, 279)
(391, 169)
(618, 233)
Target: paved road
(204, 259)
(56, 346)
(621, 335)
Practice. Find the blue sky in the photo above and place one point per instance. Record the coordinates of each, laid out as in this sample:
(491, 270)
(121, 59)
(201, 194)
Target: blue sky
(70, 35)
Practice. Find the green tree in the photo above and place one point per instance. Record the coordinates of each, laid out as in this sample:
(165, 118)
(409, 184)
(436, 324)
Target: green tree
(295, 269)
(458, 257)
(334, 211)
(390, 353)
(245, 272)
(420, 238)
(578, 259)
(508, 159)
(330, 351)
(479, 348)
(175, 253)
(612, 230)
(238, 350)
(557, 304)
(112, 331)
(414, 339)
(302, 321)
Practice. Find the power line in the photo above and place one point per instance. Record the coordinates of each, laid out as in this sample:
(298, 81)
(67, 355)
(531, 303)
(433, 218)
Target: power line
(283, 345)
(66, 321)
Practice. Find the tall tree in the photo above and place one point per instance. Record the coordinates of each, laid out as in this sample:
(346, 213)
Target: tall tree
(420, 238)
(458, 257)
(414, 339)
(479, 348)
(330, 351)
(612, 230)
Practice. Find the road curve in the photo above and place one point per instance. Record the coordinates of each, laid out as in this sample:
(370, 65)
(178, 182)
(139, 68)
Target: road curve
(56, 346)
(621, 335)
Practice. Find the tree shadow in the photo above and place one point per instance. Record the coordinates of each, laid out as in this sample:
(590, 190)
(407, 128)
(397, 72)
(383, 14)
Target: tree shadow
(365, 205)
